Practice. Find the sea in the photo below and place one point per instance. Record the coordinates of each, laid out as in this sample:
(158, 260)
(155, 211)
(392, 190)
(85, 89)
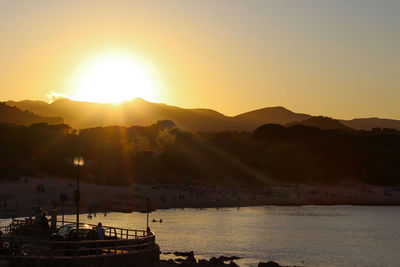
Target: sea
(289, 235)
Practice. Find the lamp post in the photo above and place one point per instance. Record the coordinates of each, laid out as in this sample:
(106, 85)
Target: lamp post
(78, 162)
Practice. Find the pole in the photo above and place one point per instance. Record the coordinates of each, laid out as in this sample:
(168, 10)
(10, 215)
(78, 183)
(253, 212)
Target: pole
(63, 213)
(77, 200)
(147, 214)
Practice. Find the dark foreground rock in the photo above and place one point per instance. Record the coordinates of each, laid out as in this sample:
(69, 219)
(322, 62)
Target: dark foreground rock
(216, 261)
(203, 262)
(191, 261)
(211, 263)
(232, 258)
(184, 254)
(268, 264)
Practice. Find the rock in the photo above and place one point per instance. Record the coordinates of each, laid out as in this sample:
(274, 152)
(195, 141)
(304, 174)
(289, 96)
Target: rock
(188, 264)
(233, 264)
(179, 260)
(189, 261)
(191, 258)
(184, 254)
(232, 258)
(203, 262)
(268, 264)
(165, 263)
(215, 261)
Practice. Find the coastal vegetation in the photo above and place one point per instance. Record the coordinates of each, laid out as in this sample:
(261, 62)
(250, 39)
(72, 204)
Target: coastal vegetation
(163, 153)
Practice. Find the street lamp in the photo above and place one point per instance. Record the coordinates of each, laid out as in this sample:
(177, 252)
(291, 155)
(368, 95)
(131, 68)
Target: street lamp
(78, 162)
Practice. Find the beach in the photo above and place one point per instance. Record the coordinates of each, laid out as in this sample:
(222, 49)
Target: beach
(19, 198)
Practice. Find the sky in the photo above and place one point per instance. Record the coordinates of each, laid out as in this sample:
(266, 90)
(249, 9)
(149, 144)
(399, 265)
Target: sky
(335, 58)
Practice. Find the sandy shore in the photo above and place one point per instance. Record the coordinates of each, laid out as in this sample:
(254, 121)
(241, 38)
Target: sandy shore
(20, 198)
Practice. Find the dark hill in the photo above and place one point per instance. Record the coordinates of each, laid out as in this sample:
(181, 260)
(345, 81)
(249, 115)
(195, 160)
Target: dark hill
(277, 115)
(370, 123)
(15, 115)
(321, 122)
(141, 112)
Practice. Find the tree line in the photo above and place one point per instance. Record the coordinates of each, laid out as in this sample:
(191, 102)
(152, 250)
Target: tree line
(162, 153)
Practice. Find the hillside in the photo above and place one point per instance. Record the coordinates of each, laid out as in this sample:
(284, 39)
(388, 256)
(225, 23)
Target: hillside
(140, 112)
(369, 123)
(321, 122)
(278, 115)
(15, 115)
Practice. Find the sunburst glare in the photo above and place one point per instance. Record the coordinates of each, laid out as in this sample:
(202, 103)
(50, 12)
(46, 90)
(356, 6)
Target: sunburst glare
(114, 77)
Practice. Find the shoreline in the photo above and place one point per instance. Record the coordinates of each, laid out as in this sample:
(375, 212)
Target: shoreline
(20, 198)
(19, 216)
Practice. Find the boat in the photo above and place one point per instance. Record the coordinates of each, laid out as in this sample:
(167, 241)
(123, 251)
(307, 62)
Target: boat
(23, 243)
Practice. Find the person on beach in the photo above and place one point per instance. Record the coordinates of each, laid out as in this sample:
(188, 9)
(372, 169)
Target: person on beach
(100, 231)
(38, 215)
(45, 221)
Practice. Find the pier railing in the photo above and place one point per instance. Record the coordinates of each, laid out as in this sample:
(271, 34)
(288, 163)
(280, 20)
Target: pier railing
(117, 241)
(23, 227)
(116, 232)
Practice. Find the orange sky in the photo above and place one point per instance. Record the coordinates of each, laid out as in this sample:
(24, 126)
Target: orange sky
(334, 58)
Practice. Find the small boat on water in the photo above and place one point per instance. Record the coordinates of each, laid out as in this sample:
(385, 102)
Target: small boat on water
(26, 243)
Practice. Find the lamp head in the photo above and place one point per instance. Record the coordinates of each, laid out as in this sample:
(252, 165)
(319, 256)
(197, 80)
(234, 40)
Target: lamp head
(78, 161)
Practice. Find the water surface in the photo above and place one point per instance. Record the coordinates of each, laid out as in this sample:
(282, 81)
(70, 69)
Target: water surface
(302, 236)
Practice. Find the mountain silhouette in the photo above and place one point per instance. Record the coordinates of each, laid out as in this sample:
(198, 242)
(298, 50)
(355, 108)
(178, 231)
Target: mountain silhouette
(322, 122)
(141, 112)
(9, 114)
(276, 115)
(370, 123)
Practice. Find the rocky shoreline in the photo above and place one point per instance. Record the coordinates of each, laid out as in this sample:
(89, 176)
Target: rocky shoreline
(190, 260)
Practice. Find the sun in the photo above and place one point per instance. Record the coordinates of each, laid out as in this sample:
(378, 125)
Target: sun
(115, 77)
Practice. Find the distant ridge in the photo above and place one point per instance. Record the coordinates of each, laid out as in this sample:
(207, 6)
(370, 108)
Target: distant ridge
(278, 115)
(322, 122)
(369, 123)
(9, 114)
(141, 112)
